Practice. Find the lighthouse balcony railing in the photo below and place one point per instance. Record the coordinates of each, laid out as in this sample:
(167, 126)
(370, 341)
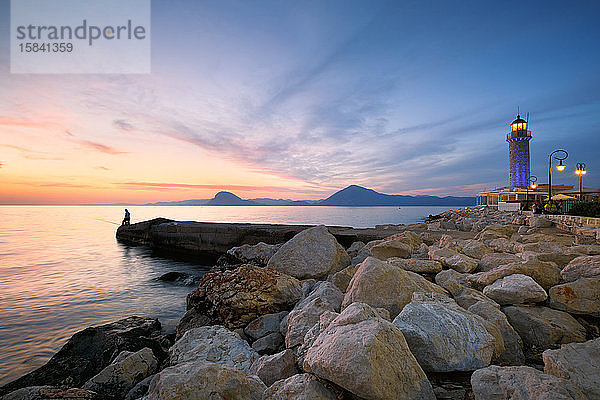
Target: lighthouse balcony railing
(518, 134)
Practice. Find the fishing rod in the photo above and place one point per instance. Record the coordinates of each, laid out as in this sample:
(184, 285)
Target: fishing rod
(105, 220)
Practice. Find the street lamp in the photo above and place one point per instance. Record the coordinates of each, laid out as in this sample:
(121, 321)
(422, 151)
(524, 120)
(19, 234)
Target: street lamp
(559, 167)
(581, 172)
(532, 180)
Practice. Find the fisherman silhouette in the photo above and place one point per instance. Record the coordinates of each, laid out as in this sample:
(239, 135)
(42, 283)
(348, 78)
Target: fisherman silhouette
(127, 218)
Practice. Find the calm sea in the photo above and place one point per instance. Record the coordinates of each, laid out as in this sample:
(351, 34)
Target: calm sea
(61, 269)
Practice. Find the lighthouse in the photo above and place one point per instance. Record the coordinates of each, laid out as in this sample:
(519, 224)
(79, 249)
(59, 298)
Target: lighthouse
(518, 153)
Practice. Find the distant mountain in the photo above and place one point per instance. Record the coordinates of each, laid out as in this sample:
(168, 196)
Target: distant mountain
(281, 202)
(220, 199)
(229, 199)
(195, 202)
(355, 195)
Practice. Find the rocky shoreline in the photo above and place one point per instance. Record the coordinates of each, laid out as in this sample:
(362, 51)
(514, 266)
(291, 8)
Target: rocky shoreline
(473, 304)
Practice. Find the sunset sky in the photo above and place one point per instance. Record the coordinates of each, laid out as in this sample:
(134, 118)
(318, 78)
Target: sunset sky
(298, 99)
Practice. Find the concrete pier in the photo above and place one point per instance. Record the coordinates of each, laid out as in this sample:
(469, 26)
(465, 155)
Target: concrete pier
(210, 239)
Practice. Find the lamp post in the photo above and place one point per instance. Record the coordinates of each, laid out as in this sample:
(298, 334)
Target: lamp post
(559, 167)
(581, 172)
(532, 180)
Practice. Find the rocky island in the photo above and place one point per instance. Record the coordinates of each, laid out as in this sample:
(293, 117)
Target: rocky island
(473, 304)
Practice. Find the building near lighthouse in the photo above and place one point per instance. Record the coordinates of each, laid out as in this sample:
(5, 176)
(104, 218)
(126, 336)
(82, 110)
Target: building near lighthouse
(518, 153)
(520, 192)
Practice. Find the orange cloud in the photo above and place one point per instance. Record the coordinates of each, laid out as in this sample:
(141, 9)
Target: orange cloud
(10, 121)
(94, 145)
(152, 185)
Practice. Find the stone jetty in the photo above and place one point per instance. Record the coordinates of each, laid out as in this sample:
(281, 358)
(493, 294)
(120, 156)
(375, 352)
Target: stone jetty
(210, 240)
(473, 304)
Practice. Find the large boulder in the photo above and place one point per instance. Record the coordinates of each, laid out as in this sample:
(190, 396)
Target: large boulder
(382, 285)
(91, 350)
(416, 265)
(214, 344)
(234, 298)
(203, 380)
(513, 345)
(521, 383)
(581, 267)
(578, 297)
(546, 274)
(443, 336)
(578, 362)
(256, 254)
(493, 260)
(122, 375)
(312, 253)
(391, 248)
(367, 356)
(299, 387)
(273, 368)
(543, 327)
(515, 289)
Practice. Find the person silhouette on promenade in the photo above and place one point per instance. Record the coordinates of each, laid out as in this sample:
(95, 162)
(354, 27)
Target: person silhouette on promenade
(127, 218)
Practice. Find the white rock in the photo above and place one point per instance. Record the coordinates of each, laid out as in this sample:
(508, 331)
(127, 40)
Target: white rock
(202, 380)
(578, 362)
(515, 289)
(521, 383)
(382, 285)
(367, 356)
(214, 344)
(312, 253)
(443, 336)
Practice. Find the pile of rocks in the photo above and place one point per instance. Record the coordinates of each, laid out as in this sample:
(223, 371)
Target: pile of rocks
(475, 304)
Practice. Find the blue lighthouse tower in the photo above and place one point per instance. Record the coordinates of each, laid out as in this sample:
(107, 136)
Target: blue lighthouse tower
(518, 153)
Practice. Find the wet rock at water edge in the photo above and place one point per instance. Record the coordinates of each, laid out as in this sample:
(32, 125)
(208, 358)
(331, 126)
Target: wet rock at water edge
(89, 351)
